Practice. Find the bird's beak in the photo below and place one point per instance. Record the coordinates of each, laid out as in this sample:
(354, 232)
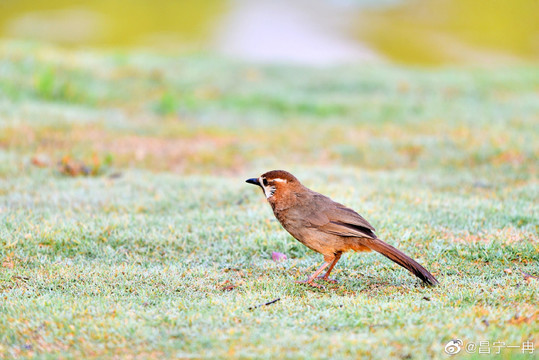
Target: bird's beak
(253, 181)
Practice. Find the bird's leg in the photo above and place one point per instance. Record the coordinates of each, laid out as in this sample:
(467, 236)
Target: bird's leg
(309, 281)
(326, 275)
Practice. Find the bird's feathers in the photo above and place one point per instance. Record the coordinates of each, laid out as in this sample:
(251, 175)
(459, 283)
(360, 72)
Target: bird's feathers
(403, 260)
(334, 218)
(345, 229)
(326, 226)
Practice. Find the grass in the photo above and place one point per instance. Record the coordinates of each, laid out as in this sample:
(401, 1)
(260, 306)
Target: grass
(165, 251)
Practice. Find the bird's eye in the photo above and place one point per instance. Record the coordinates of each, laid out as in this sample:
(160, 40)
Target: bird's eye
(265, 182)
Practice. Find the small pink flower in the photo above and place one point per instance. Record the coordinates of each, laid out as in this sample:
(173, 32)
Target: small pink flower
(277, 256)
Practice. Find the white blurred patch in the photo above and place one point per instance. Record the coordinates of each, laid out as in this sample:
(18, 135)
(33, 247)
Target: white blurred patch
(302, 32)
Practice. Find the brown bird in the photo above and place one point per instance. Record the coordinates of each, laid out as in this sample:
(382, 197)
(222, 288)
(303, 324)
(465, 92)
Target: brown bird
(326, 226)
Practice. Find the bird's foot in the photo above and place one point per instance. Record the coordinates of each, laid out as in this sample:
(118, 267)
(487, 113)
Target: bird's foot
(311, 283)
(333, 281)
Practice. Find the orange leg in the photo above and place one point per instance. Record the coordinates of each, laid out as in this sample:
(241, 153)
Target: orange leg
(309, 281)
(333, 263)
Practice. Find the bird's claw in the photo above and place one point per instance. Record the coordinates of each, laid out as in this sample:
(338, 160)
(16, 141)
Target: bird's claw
(333, 281)
(311, 283)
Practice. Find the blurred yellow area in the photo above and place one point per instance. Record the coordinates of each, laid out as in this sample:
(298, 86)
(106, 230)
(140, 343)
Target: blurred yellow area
(413, 31)
(454, 30)
(110, 23)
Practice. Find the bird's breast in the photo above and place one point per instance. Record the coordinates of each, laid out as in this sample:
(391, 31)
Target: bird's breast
(292, 221)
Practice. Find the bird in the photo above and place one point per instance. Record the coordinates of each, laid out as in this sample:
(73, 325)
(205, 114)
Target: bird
(326, 226)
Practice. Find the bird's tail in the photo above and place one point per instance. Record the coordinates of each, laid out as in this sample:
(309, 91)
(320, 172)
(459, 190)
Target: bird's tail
(403, 260)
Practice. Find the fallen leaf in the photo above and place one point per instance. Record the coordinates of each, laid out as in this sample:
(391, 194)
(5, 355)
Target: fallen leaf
(228, 287)
(40, 161)
(70, 167)
(8, 263)
(528, 277)
(518, 319)
(277, 256)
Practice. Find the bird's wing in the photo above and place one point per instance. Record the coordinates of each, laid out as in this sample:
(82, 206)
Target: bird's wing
(334, 218)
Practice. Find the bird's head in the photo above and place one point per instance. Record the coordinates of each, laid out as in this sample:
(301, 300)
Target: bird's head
(276, 184)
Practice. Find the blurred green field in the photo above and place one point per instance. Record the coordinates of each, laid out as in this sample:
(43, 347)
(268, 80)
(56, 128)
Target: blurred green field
(161, 250)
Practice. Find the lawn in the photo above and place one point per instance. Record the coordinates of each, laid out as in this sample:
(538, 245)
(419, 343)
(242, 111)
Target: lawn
(127, 231)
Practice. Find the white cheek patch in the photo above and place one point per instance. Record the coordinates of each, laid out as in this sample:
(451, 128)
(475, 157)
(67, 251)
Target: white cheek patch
(268, 190)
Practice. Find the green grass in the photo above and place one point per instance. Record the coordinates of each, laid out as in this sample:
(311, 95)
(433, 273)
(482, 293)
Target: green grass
(164, 252)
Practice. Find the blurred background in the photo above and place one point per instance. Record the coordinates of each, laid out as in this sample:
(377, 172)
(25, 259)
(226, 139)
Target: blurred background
(208, 86)
(419, 32)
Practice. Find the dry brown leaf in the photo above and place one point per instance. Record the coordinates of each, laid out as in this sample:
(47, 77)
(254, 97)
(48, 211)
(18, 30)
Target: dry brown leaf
(529, 277)
(518, 319)
(228, 287)
(40, 161)
(8, 263)
(70, 167)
